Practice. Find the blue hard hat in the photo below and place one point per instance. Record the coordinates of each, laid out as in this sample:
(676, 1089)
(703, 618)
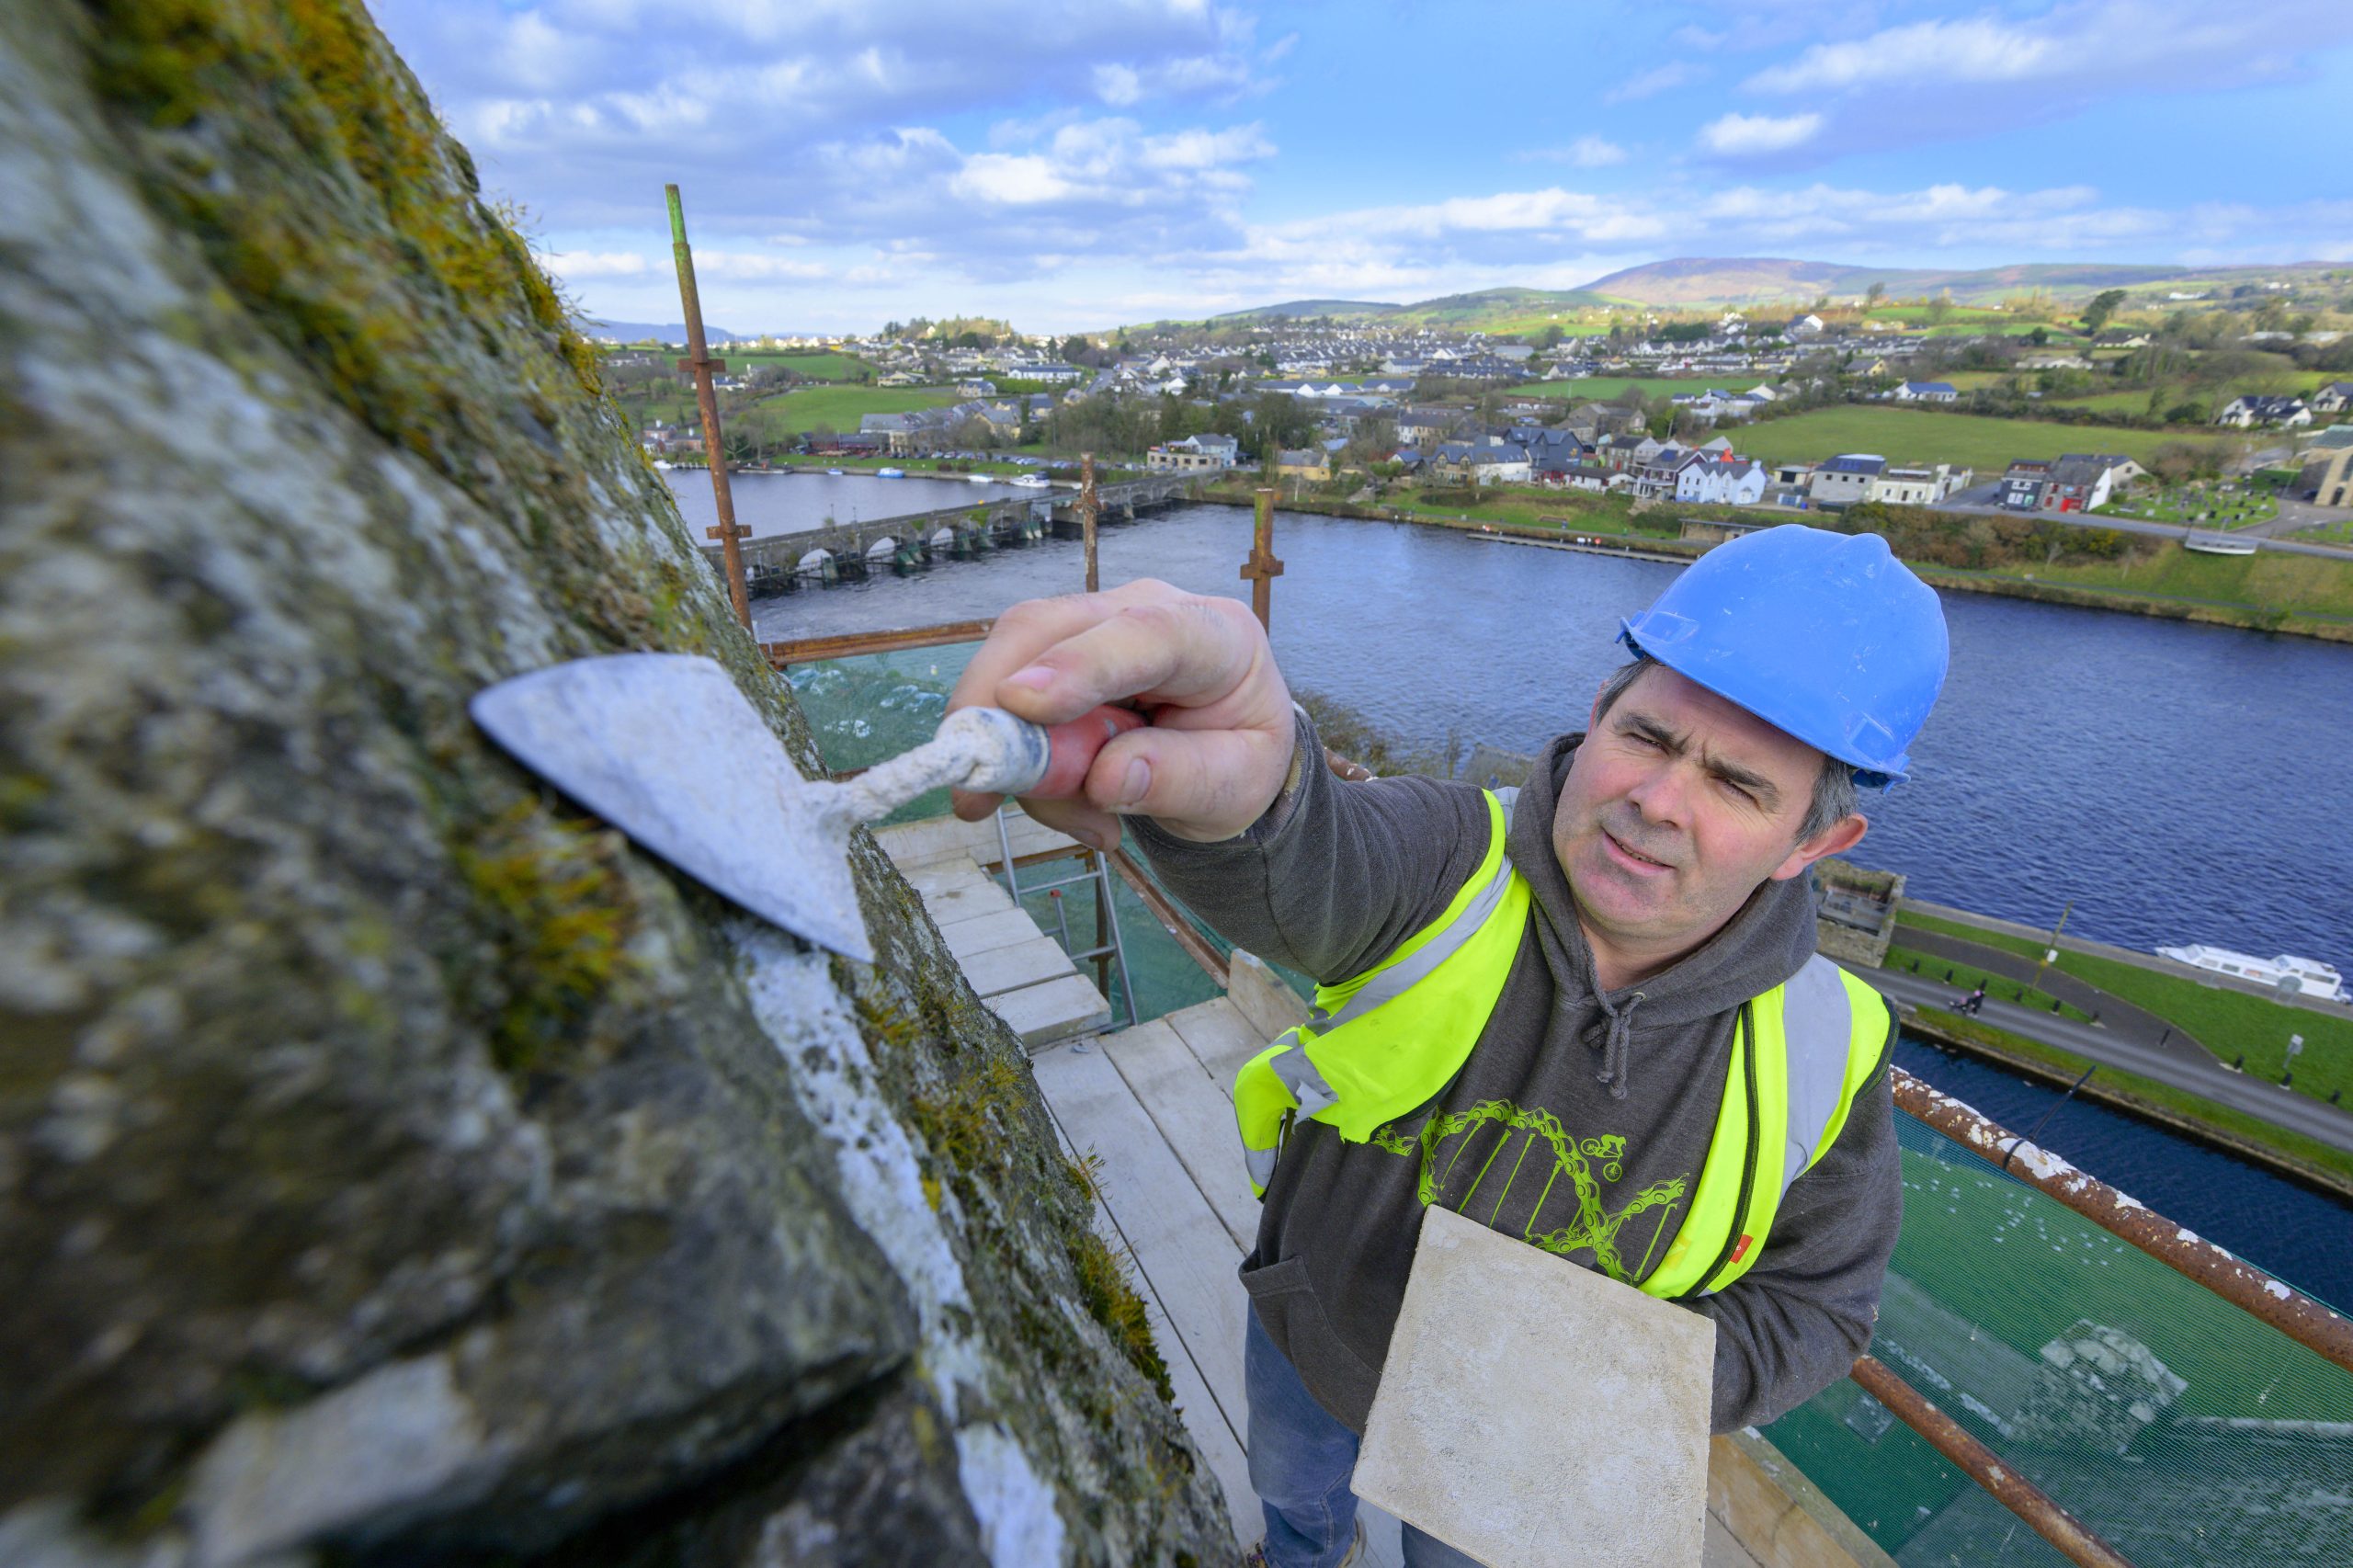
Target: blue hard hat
(1825, 636)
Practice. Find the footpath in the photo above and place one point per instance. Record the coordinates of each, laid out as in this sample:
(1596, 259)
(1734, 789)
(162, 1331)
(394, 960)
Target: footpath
(2125, 1037)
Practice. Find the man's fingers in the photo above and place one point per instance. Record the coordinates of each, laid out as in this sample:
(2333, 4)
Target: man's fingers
(1188, 654)
(1200, 784)
(1029, 628)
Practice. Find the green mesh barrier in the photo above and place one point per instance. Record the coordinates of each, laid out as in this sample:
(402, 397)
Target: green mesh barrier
(2173, 1425)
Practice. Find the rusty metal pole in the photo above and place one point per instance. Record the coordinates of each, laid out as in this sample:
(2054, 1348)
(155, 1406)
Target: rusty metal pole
(1986, 1467)
(1262, 568)
(2274, 1302)
(1090, 507)
(715, 447)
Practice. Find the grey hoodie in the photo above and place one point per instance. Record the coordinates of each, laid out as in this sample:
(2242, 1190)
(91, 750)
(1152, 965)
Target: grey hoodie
(1581, 1119)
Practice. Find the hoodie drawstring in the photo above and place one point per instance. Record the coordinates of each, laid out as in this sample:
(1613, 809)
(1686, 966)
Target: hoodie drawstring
(1613, 1045)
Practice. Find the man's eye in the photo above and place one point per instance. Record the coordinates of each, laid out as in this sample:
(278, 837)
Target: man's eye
(1737, 791)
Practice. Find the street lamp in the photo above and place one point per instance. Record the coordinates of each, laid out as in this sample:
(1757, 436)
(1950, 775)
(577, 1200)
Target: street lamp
(2287, 1074)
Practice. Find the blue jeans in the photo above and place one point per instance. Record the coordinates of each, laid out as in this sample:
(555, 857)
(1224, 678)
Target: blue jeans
(1301, 1460)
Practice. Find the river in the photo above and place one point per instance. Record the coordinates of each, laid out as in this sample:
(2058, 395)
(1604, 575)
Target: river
(773, 504)
(2177, 782)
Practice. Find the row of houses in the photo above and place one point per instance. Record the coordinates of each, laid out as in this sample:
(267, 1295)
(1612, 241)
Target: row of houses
(2285, 413)
(2076, 482)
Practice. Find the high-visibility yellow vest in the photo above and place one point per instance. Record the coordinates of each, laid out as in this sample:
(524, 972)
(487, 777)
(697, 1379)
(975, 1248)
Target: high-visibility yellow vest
(1384, 1042)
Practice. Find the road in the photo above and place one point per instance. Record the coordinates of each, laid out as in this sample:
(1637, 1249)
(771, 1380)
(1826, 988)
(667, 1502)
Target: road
(2211, 1080)
(1979, 499)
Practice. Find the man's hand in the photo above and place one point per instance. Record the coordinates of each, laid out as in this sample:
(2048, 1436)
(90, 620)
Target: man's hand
(1219, 743)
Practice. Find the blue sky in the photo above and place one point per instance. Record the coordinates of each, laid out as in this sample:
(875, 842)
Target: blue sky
(1073, 164)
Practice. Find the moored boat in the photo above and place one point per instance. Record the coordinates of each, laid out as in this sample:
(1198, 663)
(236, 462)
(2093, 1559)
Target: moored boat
(890, 473)
(2305, 977)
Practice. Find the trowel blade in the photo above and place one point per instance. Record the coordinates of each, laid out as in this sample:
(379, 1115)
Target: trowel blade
(663, 747)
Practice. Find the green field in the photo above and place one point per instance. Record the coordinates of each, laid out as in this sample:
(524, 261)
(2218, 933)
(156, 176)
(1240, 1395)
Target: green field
(1987, 445)
(1601, 389)
(816, 366)
(842, 407)
(2267, 580)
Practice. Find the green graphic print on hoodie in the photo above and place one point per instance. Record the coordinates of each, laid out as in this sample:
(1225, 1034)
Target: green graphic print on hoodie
(1579, 1123)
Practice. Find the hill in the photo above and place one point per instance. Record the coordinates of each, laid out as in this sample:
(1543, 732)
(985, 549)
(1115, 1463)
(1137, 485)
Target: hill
(1499, 310)
(1310, 309)
(1704, 280)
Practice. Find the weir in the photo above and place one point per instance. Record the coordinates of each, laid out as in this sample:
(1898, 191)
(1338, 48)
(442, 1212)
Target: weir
(776, 563)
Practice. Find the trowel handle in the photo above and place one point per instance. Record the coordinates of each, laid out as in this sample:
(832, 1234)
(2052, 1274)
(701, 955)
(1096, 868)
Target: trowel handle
(1017, 757)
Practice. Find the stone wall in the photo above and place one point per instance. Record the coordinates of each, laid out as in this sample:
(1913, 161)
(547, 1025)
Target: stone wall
(394, 1165)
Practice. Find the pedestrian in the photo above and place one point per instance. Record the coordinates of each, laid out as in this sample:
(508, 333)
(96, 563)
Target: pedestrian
(1582, 1003)
(1975, 1000)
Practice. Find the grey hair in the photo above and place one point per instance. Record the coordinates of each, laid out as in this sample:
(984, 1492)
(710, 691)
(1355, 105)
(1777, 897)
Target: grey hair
(1835, 797)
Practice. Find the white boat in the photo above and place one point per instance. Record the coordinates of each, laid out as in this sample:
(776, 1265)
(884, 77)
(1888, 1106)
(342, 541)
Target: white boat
(1031, 481)
(890, 473)
(981, 478)
(663, 464)
(2305, 977)
(2218, 544)
(835, 471)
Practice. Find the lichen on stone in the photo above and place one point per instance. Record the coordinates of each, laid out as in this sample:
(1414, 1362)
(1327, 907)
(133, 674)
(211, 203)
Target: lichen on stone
(394, 1163)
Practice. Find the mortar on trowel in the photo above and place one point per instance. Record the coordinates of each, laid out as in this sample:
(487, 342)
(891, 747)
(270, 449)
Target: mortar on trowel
(665, 747)
(1532, 1413)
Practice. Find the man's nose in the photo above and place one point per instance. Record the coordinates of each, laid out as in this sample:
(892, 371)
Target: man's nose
(1663, 795)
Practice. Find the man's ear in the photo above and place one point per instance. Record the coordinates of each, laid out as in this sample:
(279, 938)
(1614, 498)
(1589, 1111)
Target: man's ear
(1835, 839)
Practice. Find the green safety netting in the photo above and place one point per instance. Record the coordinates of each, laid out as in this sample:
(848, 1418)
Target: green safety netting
(2179, 1429)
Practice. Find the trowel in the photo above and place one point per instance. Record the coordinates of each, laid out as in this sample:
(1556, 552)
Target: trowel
(666, 748)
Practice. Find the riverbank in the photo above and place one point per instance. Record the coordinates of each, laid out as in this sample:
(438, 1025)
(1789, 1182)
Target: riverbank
(2308, 597)
(2304, 1161)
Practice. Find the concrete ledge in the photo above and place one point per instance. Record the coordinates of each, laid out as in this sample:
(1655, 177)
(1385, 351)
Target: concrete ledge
(1779, 1516)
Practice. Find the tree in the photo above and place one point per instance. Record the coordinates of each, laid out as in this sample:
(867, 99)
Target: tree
(1552, 336)
(1940, 309)
(1874, 295)
(2039, 336)
(2103, 307)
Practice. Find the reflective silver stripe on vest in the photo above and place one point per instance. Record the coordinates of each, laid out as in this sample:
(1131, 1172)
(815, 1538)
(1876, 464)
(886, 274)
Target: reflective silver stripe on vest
(1818, 1018)
(1291, 1065)
(1300, 1076)
(1403, 976)
(1261, 1165)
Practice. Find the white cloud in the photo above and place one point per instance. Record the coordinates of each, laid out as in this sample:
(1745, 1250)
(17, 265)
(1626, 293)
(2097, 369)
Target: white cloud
(2071, 54)
(1753, 135)
(579, 267)
(1585, 152)
(1650, 84)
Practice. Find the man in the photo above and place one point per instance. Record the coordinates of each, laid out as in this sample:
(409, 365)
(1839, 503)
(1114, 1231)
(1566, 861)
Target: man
(1571, 1027)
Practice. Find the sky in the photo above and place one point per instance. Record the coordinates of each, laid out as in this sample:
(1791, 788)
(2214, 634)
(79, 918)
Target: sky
(1075, 164)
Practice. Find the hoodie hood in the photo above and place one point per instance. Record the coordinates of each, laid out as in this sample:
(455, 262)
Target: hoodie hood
(1763, 945)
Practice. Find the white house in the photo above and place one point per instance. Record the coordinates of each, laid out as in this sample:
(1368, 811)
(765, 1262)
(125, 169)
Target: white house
(1925, 392)
(1721, 480)
(1194, 454)
(1804, 327)
(2334, 398)
(1846, 479)
(2255, 409)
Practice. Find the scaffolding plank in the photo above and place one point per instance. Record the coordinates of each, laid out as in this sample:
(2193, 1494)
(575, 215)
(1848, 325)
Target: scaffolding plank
(1220, 1038)
(967, 900)
(1219, 1438)
(1001, 969)
(982, 932)
(1177, 1239)
(1055, 1010)
(1193, 1118)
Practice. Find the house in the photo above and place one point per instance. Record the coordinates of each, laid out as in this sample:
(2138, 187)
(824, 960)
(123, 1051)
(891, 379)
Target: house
(1722, 480)
(1927, 391)
(2334, 398)
(1584, 476)
(1917, 487)
(1658, 475)
(2328, 475)
(1804, 326)
(2024, 484)
(2255, 409)
(1845, 480)
(1480, 462)
(975, 386)
(1050, 374)
(1194, 454)
(1309, 463)
(1416, 426)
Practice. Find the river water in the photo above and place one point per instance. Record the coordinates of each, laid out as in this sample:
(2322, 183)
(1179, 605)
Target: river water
(772, 503)
(2177, 782)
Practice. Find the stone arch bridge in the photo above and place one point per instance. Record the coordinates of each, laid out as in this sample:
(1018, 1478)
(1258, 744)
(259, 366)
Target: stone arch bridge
(777, 563)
